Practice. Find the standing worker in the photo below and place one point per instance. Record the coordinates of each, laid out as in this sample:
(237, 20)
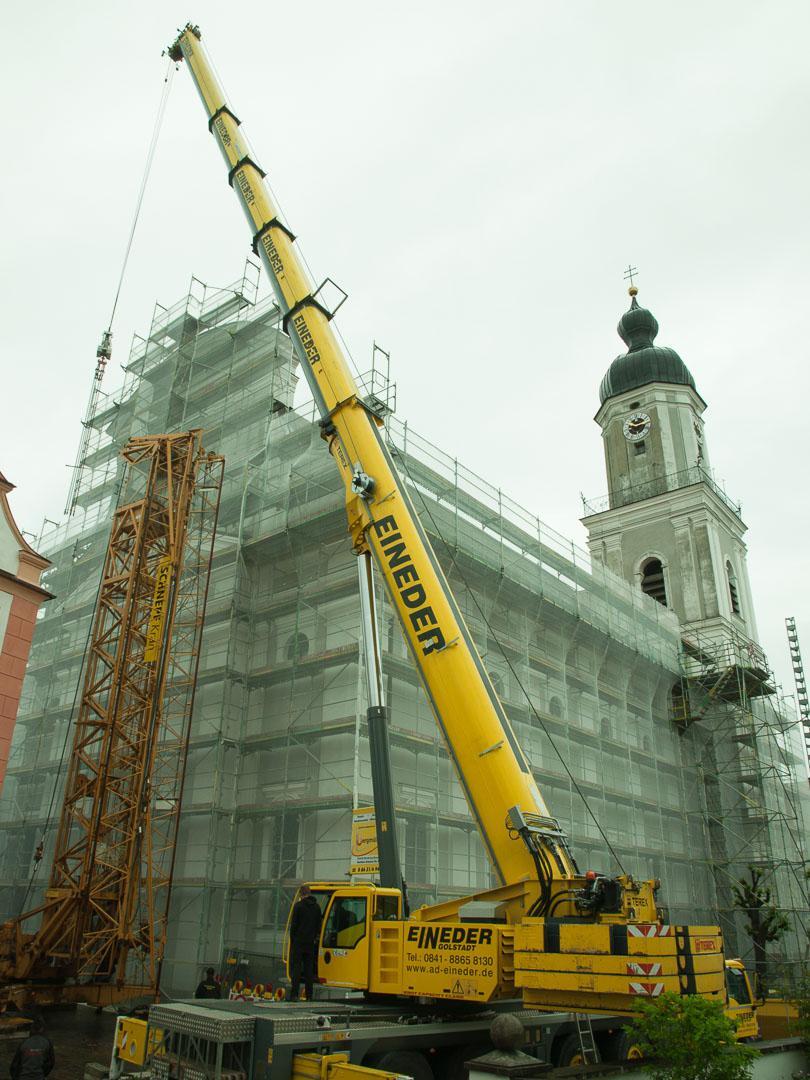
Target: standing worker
(305, 926)
(209, 987)
(34, 1058)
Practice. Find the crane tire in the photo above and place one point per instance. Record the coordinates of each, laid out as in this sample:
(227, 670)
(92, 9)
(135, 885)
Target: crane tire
(408, 1062)
(620, 1047)
(568, 1052)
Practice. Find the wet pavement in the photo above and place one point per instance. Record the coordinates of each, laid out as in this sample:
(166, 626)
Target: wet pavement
(79, 1035)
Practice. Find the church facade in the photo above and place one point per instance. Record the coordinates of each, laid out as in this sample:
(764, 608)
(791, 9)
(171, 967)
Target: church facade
(605, 698)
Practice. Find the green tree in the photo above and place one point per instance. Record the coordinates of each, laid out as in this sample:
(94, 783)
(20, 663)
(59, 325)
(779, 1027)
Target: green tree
(766, 923)
(689, 1038)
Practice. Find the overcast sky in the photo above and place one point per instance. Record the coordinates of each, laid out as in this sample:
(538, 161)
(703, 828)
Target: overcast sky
(477, 176)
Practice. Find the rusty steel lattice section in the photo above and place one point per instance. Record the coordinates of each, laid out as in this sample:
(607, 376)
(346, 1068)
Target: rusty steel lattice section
(103, 920)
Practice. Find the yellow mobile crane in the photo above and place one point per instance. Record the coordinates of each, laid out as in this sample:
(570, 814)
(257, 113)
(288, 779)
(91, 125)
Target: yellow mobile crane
(559, 939)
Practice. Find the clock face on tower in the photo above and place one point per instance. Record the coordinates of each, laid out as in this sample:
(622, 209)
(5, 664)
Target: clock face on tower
(636, 426)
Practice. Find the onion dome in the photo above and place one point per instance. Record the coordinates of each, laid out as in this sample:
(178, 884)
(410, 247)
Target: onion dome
(643, 362)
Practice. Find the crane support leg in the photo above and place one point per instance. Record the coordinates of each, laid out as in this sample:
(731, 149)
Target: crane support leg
(379, 748)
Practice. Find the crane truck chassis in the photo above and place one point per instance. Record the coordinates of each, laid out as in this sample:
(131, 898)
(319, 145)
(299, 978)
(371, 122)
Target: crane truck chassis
(268, 1040)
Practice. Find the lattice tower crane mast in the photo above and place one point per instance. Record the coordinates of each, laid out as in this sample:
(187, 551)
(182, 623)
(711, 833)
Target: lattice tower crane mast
(102, 923)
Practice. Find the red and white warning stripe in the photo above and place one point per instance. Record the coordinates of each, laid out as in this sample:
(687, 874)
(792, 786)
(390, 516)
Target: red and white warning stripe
(649, 930)
(643, 969)
(646, 989)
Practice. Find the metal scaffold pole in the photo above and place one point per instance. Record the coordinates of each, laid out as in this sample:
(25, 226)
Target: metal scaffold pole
(802, 702)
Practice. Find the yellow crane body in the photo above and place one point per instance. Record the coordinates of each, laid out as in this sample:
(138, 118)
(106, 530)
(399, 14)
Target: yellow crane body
(386, 523)
(552, 964)
(560, 938)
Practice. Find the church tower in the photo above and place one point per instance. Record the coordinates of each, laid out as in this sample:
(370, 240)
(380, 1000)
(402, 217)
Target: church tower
(665, 525)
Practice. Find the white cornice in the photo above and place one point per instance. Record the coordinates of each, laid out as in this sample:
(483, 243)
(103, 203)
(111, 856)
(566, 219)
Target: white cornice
(696, 500)
(679, 394)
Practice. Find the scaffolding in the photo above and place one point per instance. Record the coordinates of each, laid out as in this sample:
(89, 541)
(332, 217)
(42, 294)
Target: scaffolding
(278, 752)
(746, 746)
(800, 682)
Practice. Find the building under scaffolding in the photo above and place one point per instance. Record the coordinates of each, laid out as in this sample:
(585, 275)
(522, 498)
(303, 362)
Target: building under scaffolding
(671, 530)
(278, 750)
(746, 752)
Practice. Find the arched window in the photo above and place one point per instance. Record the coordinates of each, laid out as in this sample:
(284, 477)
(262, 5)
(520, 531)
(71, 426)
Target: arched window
(555, 708)
(297, 646)
(652, 580)
(679, 703)
(733, 592)
(605, 728)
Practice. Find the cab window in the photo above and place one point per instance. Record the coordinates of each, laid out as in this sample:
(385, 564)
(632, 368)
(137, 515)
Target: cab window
(323, 897)
(737, 986)
(386, 907)
(346, 923)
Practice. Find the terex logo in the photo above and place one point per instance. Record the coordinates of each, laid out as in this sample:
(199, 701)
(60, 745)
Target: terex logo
(705, 945)
(433, 937)
(411, 590)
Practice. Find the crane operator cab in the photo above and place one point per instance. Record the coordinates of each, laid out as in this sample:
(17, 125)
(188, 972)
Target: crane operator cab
(740, 1004)
(351, 918)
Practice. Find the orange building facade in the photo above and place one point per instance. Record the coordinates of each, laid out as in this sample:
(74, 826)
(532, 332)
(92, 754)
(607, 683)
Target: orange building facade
(21, 596)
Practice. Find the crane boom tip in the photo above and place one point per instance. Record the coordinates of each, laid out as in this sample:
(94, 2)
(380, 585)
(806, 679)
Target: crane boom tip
(175, 51)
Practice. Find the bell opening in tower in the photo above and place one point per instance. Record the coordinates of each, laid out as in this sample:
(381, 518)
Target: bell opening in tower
(652, 580)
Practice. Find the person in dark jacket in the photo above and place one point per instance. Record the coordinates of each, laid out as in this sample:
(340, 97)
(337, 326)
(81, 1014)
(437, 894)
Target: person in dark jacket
(305, 927)
(209, 987)
(34, 1058)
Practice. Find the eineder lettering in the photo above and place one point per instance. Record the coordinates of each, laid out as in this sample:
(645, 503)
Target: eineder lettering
(411, 592)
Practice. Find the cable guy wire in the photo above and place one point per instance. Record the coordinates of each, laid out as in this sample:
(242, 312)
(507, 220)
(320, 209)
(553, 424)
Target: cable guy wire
(150, 157)
(509, 663)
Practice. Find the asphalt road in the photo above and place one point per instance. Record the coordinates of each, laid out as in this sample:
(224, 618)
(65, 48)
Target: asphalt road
(79, 1035)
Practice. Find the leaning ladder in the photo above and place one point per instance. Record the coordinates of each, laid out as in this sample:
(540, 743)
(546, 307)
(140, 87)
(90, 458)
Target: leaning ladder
(587, 1042)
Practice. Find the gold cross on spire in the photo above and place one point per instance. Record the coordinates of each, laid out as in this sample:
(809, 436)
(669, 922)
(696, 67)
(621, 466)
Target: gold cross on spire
(629, 275)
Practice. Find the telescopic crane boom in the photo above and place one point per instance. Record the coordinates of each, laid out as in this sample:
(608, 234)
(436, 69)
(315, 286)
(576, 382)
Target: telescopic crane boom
(492, 767)
(561, 937)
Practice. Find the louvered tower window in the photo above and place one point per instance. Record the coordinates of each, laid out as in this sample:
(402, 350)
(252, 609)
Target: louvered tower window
(733, 592)
(652, 581)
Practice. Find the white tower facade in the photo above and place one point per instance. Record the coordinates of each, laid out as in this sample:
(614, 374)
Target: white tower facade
(665, 525)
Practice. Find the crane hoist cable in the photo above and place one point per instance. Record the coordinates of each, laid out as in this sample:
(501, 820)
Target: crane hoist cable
(103, 354)
(104, 350)
(416, 487)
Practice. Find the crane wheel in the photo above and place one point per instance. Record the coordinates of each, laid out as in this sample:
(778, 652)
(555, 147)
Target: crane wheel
(620, 1047)
(568, 1053)
(449, 1065)
(408, 1062)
